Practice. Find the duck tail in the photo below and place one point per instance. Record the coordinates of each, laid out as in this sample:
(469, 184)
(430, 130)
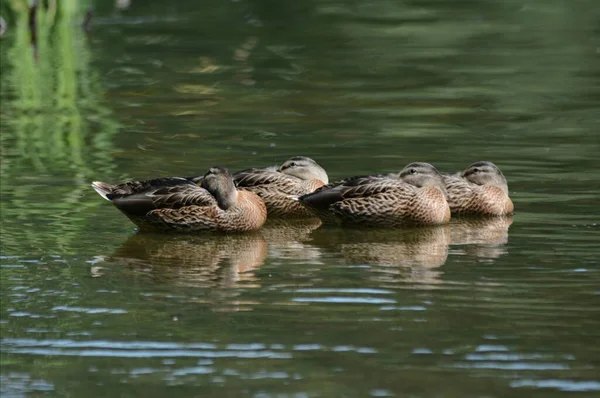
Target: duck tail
(102, 188)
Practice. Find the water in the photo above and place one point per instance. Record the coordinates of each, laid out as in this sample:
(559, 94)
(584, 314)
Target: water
(508, 307)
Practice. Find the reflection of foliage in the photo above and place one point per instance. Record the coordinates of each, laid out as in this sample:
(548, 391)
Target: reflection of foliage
(53, 122)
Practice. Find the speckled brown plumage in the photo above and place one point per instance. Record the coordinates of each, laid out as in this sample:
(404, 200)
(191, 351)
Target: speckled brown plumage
(481, 189)
(278, 186)
(179, 204)
(248, 214)
(415, 196)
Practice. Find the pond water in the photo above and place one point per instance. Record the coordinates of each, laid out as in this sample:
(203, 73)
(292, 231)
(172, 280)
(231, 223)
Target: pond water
(506, 307)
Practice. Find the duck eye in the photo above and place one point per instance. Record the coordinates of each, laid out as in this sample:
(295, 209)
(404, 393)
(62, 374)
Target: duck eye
(476, 170)
(292, 164)
(413, 171)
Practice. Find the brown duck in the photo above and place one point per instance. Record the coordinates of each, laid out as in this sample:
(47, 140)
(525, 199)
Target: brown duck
(481, 189)
(414, 196)
(183, 205)
(279, 186)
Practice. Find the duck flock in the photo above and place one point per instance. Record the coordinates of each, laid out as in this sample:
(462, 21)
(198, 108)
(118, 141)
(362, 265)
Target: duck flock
(298, 189)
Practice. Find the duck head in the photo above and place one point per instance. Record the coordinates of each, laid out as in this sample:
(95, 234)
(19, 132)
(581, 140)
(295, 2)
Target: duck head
(304, 168)
(485, 173)
(422, 175)
(219, 182)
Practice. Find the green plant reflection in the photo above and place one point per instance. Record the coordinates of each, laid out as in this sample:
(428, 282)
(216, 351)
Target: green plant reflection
(54, 125)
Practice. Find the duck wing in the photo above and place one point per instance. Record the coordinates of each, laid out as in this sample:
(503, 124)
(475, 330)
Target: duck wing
(358, 180)
(352, 188)
(110, 192)
(460, 192)
(181, 196)
(261, 178)
(186, 218)
(137, 198)
(465, 197)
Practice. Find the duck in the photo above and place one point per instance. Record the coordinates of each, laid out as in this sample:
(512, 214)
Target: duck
(415, 196)
(208, 203)
(280, 186)
(480, 189)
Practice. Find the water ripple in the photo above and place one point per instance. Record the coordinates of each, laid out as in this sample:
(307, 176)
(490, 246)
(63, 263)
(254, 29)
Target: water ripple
(503, 357)
(149, 354)
(14, 384)
(89, 310)
(562, 385)
(152, 349)
(341, 290)
(512, 366)
(487, 347)
(338, 300)
(196, 370)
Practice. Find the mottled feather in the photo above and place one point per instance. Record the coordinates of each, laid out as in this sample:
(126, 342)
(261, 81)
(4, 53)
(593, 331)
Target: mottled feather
(382, 200)
(481, 189)
(279, 186)
(181, 204)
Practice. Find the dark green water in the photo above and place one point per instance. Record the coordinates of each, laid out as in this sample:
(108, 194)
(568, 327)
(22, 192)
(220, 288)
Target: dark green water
(503, 308)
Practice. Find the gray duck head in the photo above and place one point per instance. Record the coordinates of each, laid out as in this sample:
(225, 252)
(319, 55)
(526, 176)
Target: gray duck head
(421, 175)
(304, 168)
(485, 173)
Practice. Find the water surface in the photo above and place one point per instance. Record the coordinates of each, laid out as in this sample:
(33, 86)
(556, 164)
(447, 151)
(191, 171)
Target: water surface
(503, 307)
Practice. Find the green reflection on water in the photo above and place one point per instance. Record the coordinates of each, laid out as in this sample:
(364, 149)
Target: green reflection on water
(54, 124)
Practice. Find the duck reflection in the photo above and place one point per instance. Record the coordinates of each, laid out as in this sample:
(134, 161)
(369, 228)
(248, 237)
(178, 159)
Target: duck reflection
(217, 259)
(396, 254)
(290, 239)
(194, 260)
(483, 238)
